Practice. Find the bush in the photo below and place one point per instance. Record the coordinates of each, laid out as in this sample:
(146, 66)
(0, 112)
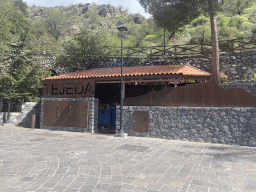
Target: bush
(223, 78)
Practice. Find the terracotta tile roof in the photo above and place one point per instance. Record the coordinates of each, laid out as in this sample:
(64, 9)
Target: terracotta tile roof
(133, 71)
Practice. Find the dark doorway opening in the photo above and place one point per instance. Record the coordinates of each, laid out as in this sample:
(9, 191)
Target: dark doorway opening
(109, 98)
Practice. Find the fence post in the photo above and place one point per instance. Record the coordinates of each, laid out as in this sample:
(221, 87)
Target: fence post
(232, 46)
(202, 47)
(127, 52)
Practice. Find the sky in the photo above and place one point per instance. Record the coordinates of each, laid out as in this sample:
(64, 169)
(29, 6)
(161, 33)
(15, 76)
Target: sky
(132, 5)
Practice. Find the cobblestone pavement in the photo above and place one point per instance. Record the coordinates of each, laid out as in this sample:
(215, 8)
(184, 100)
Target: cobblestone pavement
(43, 160)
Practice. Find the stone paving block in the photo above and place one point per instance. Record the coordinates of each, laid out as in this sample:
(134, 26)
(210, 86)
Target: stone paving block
(99, 190)
(102, 186)
(154, 186)
(91, 181)
(87, 188)
(71, 190)
(127, 187)
(105, 180)
(165, 165)
(139, 189)
(199, 188)
(167, 188)
(114, 188)
(59, 188)
(139, 183)
(76, 185)
(43, 190)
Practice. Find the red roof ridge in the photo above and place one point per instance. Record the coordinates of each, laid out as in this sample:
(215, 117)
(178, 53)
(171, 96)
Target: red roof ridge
(133, 71)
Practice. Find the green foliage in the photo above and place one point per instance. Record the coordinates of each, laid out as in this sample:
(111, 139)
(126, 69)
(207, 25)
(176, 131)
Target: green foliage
(82, 50)
(14, 26)
(92, 17)
(237, 7)
(46, 42)
(172, 16)
(201, 34)
(53, 23)
(151, 38)
(26, 81)
(201, 20)
(224, 79)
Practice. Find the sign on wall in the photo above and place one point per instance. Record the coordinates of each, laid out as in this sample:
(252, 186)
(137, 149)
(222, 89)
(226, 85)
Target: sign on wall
(69, 88)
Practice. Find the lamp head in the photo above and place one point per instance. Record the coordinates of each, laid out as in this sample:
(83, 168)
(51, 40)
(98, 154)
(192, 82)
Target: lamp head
(122, 29)
(13, 45)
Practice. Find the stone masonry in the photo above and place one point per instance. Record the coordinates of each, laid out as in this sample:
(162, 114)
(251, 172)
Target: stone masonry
(92, 118)
(23, 117)
(235, 65)
(234, 126)
(249, 87)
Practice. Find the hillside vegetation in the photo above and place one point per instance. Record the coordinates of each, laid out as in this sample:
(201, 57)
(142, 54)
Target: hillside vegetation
(48, 28)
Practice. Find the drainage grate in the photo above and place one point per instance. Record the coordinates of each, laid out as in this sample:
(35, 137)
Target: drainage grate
(38, 139)
(137, 148)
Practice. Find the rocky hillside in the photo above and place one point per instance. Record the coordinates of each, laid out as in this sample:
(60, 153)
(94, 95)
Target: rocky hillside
(104, 11)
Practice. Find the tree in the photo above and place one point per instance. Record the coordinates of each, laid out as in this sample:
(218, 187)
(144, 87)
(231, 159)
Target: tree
(14, 26)
(26, 81)
(53, 23)
(83, 50)
(237, 6)
(174, 14)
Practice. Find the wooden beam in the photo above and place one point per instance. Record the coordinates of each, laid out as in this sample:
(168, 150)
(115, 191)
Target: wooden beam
(139, 80)
(159, 80)
(175, 84)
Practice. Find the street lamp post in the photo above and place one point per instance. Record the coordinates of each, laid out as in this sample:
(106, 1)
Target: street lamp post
(10, 90)
(122, 32)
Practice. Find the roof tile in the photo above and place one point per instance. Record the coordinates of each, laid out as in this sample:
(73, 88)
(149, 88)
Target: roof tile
(133, 71)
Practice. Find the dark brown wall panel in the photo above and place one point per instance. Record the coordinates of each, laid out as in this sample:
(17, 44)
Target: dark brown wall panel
(50, 113)
(141, 121)
(208, 94)
(66, 114)
(63, 114)
(79, 114)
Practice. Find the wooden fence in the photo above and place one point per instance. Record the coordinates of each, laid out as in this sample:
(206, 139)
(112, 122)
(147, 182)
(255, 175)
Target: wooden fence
(177, 51)
(186, 50)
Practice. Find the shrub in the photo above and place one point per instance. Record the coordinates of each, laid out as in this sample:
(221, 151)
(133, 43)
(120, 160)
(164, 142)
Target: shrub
(223, 78)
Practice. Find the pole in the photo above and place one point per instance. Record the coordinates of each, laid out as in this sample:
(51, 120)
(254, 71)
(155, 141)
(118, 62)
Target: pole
(215, 43)
(164, 41)
(121, 132)
(10, 92)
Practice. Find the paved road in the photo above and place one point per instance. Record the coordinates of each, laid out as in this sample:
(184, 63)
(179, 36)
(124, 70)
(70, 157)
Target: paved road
(42, 160)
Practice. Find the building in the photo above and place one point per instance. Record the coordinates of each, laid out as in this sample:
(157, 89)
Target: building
(72, 101)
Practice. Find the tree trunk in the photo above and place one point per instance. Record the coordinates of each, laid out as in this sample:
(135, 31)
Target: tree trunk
(215, 47)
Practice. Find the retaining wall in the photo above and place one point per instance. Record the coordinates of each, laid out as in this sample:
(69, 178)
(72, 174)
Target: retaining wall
(23, 117)
(234, 65)
(236, 126)
(92, 117)
(249, 87)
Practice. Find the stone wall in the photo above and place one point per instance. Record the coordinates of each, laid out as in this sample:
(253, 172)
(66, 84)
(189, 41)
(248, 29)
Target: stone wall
(92, 118)
(23, 117)
(249, 87)
(234, 65)
(234, 126)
